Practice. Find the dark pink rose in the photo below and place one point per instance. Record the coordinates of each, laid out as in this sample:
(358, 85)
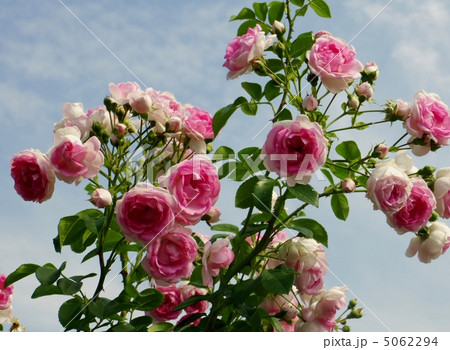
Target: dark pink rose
(188, 291)
(34, 178)
(165, 312)
(5, 293)
(170, 256)
(144, 212)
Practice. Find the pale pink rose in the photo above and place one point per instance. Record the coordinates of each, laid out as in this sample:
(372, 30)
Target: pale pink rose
(170, 256)
(244, 50)
(364, 89)
(165, 106)
(429, 117)
(74, 115)
(73, 160)
(101, 198)
(334, 62)
(402, 108)
(419, 150)
(433, 246)
(295, 149)
(388, 187)
(307, 257)
(140, 102)
(145, 211)
(195, 185)
(383, 150)
(348, 185)
(213, 214)
(101, 117)
(120, 92)
(319, 315)
(310, 103)
(34, 177)
(6, 315)
(216, 256)
(276, 303)
(165, 312)
(278, 27)
(405, 162)
(188, 291)
(203, 238)
(442, 192)
(372, 70)
(353, 102)
(288, 326)
(417, 209)
(5, 293)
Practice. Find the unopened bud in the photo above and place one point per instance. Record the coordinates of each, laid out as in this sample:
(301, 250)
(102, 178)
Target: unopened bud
(433, 217)
(175, 124)
(310, 103)
(402, 108)
(353, 102)
(381, 151)
(278, 28)
(364, 90)
(348, 185)
(121, 129)
(372, 71)
(352, 303)
(355, 313)
(101, 198)
(346, 329)
(213, 215)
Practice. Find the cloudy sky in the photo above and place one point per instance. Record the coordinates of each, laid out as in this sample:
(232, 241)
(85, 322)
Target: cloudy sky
(54, 52)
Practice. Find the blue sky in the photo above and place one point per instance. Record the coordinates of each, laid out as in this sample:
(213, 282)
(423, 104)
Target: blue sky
(48, 57)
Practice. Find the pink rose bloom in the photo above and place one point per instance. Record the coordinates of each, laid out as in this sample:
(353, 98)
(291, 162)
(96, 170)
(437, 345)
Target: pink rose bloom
(102, 117)
(310, 103)
(307, 257)
(73, 115)
(34, 177)
(144, 212)
(433, 246)
(334, 62)
(288, 326)
(417, 209)
(140, 102)
(295, 149)
(195, 185)
(72, 159)
(5, 293)
(165, 312)
(164, 107)
(431, 117)
(320, 313)
(120, 92)
(442, 192)
(198, 126)
(276, 303)
(170, 255)
(101, 198)
(188, 291)
(216, 256)
(388, 187)
(243, 51)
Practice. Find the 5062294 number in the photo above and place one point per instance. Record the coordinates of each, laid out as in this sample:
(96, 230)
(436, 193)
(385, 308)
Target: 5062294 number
(410, 341)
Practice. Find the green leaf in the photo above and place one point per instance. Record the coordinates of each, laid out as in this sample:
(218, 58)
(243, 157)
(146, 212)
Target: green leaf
(122, 327)
(245, 13)
(70, 311)
(271, 90)
(276, 11)
(339, 204)
(222, 115)
(319, 232)
(274, 64)
(141, 322)
(226, 169)
(327, 173)
(242, 290)
(225, 228)
(253, 89)
(22, 271)
(302, 44)
(262, 194)
(192, 300)
(285, 114)
(260, 10)
(244, 194)
(223, 153)
(42, 291)
(149, 299)
(250, 108)
(48, 274)
(298, 3)
(349, 150)
(305, 193)
(79, 278)
(278, 280)
(69, 287)
(321, 8)
(161, 327)
(301, 11)
(196, 277)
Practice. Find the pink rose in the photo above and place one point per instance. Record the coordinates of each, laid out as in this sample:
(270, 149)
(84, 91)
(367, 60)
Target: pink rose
(213, 214)
(101, 198)
(417, 209)
(188, 291)
(310, 103)
(170, 255)
(102, 118)
(295, 149)
(144, 212)
(34, 177)
(388, 187)
(276, 303)
(334, 62)
(348, 185)
(216, 256)
(73, 115)
(401, 108)
(140, 102)
(165, 312)
(320, 313)
(383, 150)
(364, 89)
(120, 92)
(195, 185)
(72, 159)
(430, 117)
(442, 192)
(5, 293)
(164, 107)
(431, 247)
(307, 257)
(199, 124)
(243, 51)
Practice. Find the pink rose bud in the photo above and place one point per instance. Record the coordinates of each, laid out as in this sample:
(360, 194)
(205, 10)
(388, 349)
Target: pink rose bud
(372, 70)
(402, 108)
(121, 129)
(322, 33)
(216, 256)
(383, 150)
(101, 198)
(140, 102)
(348, 185)
(310, 103)
(214, 214)
(365, 89)
(353, 102)
(278, 28)
(431, 247)
(175, 124)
